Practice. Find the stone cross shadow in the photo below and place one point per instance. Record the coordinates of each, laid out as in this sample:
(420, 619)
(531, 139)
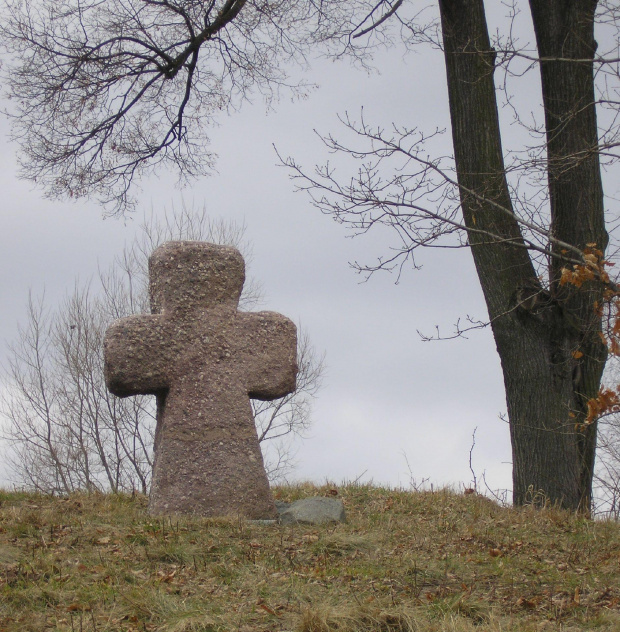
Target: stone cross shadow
(204, 360)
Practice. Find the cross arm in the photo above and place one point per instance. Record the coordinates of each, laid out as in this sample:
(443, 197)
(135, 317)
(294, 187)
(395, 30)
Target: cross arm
(136, 356)
(272, 361)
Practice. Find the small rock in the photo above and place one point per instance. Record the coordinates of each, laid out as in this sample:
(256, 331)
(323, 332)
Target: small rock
(316, 510)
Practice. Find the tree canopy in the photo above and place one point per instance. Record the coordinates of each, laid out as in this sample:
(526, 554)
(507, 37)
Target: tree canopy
(102, 92)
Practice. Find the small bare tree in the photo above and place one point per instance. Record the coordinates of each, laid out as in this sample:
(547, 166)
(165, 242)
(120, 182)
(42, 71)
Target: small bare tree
(66, 430)
(607, 472)
(278, 421)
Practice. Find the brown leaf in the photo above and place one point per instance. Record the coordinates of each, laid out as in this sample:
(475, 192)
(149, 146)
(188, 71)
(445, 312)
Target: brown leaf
(590, 259)
(526, 603)
(268, 609)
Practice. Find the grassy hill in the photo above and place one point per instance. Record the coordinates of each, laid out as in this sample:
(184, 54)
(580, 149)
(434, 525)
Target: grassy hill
(404, 562)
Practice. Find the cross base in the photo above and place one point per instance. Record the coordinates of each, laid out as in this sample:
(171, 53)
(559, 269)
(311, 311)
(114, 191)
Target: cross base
(210, 478)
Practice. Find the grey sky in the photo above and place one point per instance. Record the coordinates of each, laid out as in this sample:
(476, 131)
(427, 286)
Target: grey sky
(388, 397)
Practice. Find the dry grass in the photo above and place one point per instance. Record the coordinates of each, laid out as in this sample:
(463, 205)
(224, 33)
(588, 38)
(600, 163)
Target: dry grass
(404, 562)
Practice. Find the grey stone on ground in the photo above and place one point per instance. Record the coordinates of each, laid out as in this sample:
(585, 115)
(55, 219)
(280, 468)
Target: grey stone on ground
(316, 510)
(203, 359)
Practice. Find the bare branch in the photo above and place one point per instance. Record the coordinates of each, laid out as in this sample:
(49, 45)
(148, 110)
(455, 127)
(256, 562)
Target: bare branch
(381, 20)
(102, 93)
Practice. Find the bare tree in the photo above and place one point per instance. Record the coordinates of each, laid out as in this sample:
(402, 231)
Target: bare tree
(534, 220)
(607, 472)
(67, 432)
(277, 422)
(102, 92)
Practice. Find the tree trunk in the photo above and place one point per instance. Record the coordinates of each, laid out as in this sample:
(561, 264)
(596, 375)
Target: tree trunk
(535, 330)
(565, 30)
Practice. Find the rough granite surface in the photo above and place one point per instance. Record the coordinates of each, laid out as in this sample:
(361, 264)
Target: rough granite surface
(204, 360)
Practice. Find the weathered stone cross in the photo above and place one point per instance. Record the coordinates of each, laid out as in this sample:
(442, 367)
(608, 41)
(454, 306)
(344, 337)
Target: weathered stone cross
(203, 360)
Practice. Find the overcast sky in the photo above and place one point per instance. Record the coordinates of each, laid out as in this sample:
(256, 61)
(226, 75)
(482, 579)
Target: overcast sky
(392, 406)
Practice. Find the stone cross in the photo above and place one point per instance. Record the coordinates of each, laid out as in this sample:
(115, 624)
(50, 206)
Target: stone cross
(204, 360)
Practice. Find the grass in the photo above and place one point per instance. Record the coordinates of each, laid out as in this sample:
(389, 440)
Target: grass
(404, 562)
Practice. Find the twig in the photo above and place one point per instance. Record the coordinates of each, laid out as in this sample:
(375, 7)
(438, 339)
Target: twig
(471, 452)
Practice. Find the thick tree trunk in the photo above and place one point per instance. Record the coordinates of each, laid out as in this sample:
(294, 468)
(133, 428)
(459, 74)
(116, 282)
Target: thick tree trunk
(564, 31)
(535, 335)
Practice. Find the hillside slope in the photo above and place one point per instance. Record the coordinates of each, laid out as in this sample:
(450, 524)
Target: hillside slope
(404, 561)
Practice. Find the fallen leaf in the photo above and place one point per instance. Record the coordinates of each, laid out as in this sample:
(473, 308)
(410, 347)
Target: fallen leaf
(268, 609)
(526, 603)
